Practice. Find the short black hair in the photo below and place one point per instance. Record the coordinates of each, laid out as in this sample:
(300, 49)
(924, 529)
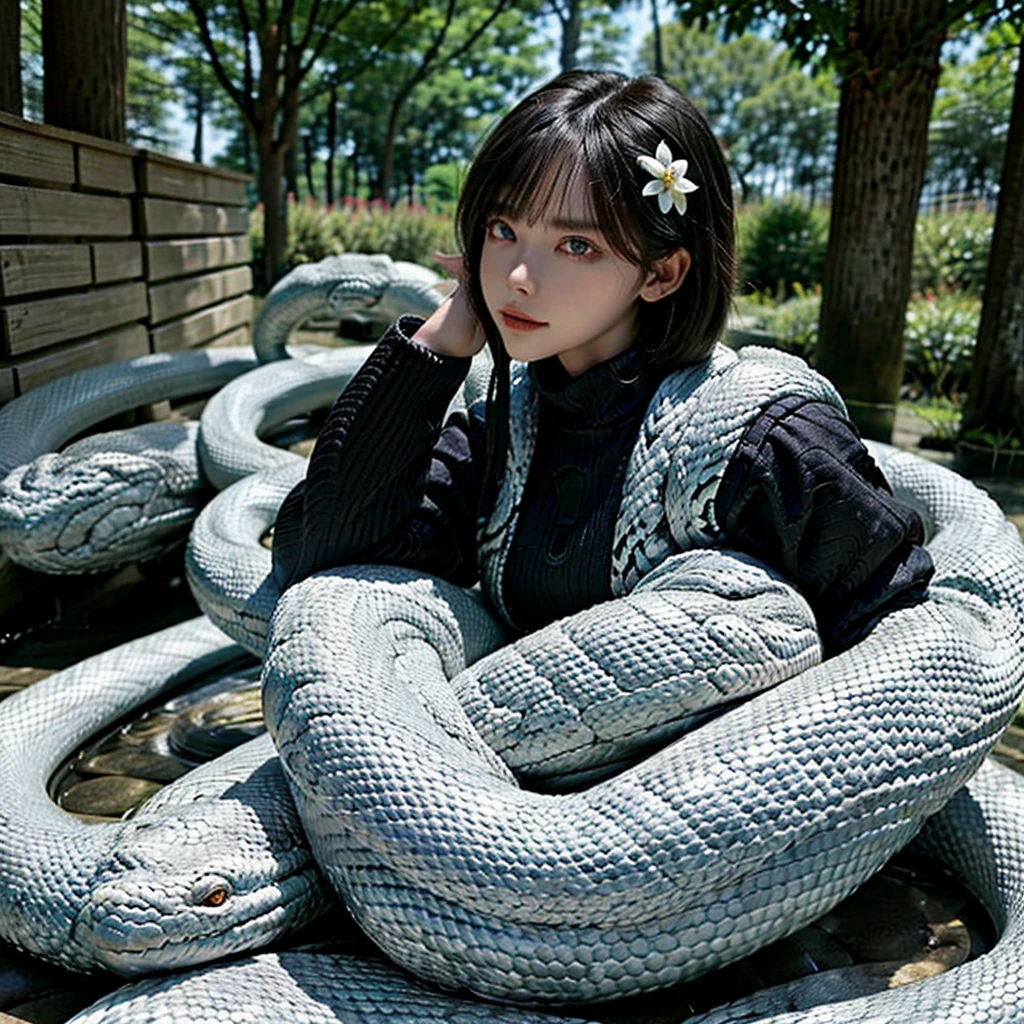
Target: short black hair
(598, 123)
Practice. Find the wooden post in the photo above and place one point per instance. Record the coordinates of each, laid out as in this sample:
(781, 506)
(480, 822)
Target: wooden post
(85, 60)
(10, 64)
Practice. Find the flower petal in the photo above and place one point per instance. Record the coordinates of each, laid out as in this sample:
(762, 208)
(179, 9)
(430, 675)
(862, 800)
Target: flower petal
(663, 153)
(651, 166)
(665, 201)
(678, 167)
(652, 188)
(679, 198)
(684, 185)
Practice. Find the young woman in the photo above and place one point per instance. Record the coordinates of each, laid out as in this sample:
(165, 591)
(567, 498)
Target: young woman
(596, 227)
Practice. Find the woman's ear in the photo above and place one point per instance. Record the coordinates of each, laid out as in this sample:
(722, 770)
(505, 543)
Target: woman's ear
(666, 275)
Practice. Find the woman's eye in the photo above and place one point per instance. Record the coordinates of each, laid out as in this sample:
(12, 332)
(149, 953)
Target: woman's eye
(500, 230)
(578, 247)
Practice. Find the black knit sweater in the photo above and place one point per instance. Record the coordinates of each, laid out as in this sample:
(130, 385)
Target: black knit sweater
(387, 484)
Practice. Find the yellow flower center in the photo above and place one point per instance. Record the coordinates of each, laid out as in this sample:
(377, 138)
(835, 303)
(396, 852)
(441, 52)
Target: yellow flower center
(669, 177)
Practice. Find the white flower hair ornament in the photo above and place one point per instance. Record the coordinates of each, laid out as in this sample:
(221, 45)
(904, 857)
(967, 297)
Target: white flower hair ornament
(670, 184)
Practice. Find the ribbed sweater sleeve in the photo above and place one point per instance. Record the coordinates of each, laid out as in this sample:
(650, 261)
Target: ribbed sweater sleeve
(803, 494)
(382, 484)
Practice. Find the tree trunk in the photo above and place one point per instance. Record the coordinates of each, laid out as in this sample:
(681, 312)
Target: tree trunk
(332, 145)
(995, 396)
(291, 171)
(387, 170)
(10, 66)
(571, 28)
(884, 110)
(85, 61)
(659, 52)
(275, 224)
(307, 155)
(197, 138)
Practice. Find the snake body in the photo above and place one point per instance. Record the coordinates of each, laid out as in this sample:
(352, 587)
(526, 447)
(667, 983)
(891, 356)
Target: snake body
(352, 283)
(134, 896)
(114, 497)
(979, 834)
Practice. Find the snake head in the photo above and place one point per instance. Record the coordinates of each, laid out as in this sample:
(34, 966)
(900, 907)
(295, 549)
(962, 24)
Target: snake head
(109, 499)
(212, 876)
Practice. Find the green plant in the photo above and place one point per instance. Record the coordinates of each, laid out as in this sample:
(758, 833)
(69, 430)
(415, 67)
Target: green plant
(402, 232)
(943, 417)
(782, 244)
(938, 344)
(951, 252)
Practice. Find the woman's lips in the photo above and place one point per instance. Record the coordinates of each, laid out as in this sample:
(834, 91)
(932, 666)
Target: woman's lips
(515, 320)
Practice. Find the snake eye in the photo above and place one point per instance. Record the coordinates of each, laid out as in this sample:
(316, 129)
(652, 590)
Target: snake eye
(215, 897)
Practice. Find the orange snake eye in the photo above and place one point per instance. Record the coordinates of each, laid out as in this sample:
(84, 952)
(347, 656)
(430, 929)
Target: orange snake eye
(215, 897)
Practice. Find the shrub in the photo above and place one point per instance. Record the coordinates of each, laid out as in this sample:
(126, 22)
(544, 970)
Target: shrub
(938, 343)
(782, 244)
(403, 232)
(793, 324)
(951, 252)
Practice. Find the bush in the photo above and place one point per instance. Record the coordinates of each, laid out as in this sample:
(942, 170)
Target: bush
(792, 325)
(403, 232)
(782, 244)
(951, 252)
(938, 343)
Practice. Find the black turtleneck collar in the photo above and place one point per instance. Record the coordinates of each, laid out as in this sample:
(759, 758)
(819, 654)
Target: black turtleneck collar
(601, 395)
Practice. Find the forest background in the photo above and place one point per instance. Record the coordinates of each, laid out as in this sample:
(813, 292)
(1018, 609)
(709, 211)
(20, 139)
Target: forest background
(868, 142)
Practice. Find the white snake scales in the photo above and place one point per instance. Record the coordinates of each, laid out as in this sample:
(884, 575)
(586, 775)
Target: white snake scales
(469, 880)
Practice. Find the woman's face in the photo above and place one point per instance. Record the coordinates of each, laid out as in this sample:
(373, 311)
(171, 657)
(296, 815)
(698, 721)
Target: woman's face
(555, 286)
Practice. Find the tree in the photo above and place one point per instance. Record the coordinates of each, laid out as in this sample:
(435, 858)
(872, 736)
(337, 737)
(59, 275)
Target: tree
(10, 47)
(85, 62)
(262, 53)
(587, 33)
(887, 56)
(971, 119)
(995, 395)
(774, 121)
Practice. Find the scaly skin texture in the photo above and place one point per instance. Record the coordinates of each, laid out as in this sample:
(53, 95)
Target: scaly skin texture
(351, 284)
(129, 896)
(115, 498)
(979, 834)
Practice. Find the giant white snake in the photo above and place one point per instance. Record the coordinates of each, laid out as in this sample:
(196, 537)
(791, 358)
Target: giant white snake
(977, 595)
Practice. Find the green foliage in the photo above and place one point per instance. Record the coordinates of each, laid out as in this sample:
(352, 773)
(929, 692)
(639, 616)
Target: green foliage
(938, 344)
(403, 232)
(971, 118)
(943, 416)
(793, 325)
(782, 244)
(775, 122)
(951, 252)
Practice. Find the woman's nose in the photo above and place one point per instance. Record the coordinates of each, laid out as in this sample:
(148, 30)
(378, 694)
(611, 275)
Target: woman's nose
(520, 279)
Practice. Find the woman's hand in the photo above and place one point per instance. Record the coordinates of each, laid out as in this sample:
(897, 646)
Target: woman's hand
(452, 330)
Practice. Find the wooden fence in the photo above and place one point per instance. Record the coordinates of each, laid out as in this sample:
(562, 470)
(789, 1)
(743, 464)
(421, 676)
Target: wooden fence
(108, 252)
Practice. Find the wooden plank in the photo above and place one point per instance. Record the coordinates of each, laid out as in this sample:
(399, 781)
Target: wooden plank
(39, 268)
(40, 212)
(106, 172)
(36, 324)
(187, 256)
(26, 155)
(116, 261)
(200, 327)
(239, 336)
(50, 132)
(167, 218)
(189, 294)
(123, 343)
(225, 191)
(161, 175)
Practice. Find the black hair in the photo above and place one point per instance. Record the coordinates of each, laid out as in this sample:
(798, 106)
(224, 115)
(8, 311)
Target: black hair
(599, 122)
